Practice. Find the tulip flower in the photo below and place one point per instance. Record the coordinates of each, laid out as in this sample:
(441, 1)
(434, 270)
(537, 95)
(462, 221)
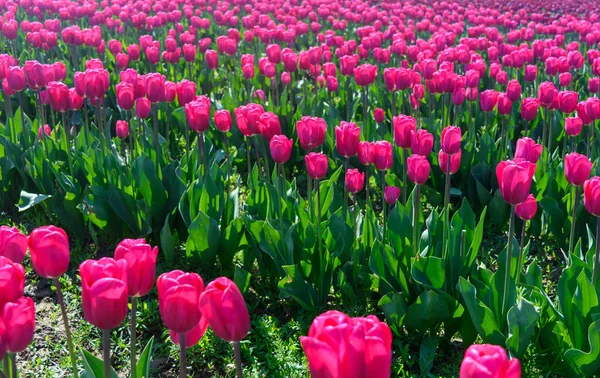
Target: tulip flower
(122, 129)
(13, 244)
(192, 337)
(454, 162)
(225, 310)
(142, 107)
(340, 346)
(179, 304)
(311, 132)
(404, 126)
(528, 150)
(281, 148)
(19, 319)
(355, 180)
(186, 92)
(513, 90)
(59, 96)
(567, 101)
(49, 249)
(573, 127)
(529, 108)
(526, 211)
(316, 165)
(104, 297)
(347, 136)
(391, 194)
(489, 361)
(12, 280)
(451, 138)
(379, 115)
(421, 142)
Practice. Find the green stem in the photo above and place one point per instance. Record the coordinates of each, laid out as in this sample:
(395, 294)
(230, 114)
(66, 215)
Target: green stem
(202, 153)
(446, 229)
(68, 138)
(266, 157)
(187, 151)
(6, 364)
(365, 122)
(248, 161)
(13, 360)
(573, 216)
(133, 337)
(63, 309)
(520, 260)
(597, 255)
(309, 196)
(238, 359)
(404, 176)
(416, 221)
(384, 205)
(227, 155)
(346, 188)
(511, 231)
(367, 186)
(319, 213)
(106, 352)
(155, 128)
(280, 189)
(182, 357)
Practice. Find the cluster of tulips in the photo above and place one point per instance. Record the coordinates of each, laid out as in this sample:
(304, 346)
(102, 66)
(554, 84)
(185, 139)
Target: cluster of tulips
(187, 306)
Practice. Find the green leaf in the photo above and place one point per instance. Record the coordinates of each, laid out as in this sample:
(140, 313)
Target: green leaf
(522, 318)
(167, 242)
(482, 317)
(29, 200)
(143, 365)
(295, 286)
(429, 271)
(586, 363)
(230, 241)
(429, 310)
(93, 366)
(241, 279)
(429, 345)
(203, 240)
(394, 308)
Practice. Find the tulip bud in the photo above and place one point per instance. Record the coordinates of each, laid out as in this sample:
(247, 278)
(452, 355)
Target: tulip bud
(269, 125)
(418, 169)
(577, 168)
(49, 249)
(383, 155)
(104, 292)
(223, 120)
(281, 148)
(355, 180)
(454, 162)
(567, 101)
(365, 74)
(316, 165)
(12, 281)
(366, 153)
(19, 320)
(141, 265)
(514, 179)
(178, 300)
(450, 139)
(391, 194)
(529, 108)
(490, 359)
(142, 107)
(347, 136)
(528, 150)
(311, 132)
(573, 126)
(197, 114)
(212, 59)
(527, 209)
(13, 244)
(225, 310)
(122, 129)
(404, 126)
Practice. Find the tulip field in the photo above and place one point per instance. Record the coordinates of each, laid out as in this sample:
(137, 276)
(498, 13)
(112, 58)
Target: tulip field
(285, 188)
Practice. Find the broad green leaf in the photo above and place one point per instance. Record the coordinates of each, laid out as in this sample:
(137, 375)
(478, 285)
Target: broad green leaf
(522, 319)
(93, 366)
(29, 200)
(482, 317)
(143, 365)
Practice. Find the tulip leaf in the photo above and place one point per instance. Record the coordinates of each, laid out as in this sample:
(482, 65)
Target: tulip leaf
(242, 279)
(427, 350)
(167, 242)
(143, 365)
(522, 318)
(203, 240)
(482, 317)
(426, 312)
(429, 272)
(394, 308)
(93, 366)
(29, 200)
(586, 363)
(295, 286)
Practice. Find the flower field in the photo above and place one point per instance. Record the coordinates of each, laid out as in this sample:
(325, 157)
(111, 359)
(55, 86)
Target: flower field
(333, 189)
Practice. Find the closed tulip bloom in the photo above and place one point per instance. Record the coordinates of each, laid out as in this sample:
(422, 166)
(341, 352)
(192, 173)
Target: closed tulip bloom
(472, 79)
(122, 61)
(527, 209)
(189, 52)
(564, 79)
(142, 107)
(366, 153)
(379, 115)
(311, 132)
(489, 361)
(488, 99)
(347, 64)
(546, 93)
(529, 150)
(355, 180)
(248, 70)
(170, 91)
(365, 74)
(383, 155)
(404, 126)
(281, 148)
(13, 244)
(529, 108)
(59, 96)
(122, 129)
(141, 265)
(269, 125)
(504, 104)
(594, 84)
(286, 78)
(591, 195)
(16, 78)
(418, 169)
(12, 280)
(225, 310)
(340, 346)
(347, 136)
(104, 292)
(451, 138)
(43, 131)
(513, 90)
(223, 120)
(274, 53)
(567, 101)
(155, 87)
(186, 91)
(458, 96)
(75, 100)
(49, 250)
(197, 114)
(212, 59)
(192, 337)
(178, 300)
(134, 52)
(577, 168)
(421, 142)
(514, 179)
(391, 194)
(573, 126)
(331, 82)
(454, 162)
(316, 165)
(19, 320)
(530, 73)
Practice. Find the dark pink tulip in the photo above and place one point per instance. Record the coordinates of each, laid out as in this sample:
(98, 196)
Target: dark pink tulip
(451, 138)
(577, 168)
(316, 165)
(311, 132)
(391, 194)
(49, 250)
(454, 162)
(141, 265)
(514, 179)
(421, 142)
(567, 101)
(354, 180)
(12, 281)
(13, 244)
(142, 107)
(529, 108)
(347, 136)
(489, 361)
(19, 320)
(528, 150)
(418, 169)
(281, 148)
(366, 153)
(573, 126)
(591, 195)
(404, 127)
(526, 210)
(223, 120)
(179, 300)
(383, 155)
